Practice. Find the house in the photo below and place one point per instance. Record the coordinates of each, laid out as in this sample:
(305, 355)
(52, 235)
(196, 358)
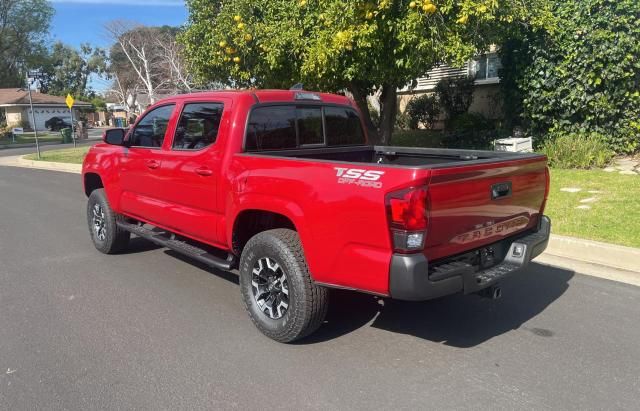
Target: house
(486, 96)
(14, 105)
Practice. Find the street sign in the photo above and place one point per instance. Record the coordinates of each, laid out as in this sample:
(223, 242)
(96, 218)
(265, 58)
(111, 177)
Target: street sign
(18, 130)
(69, 101)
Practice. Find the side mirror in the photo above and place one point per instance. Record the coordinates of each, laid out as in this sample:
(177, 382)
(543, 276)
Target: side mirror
(114, 136)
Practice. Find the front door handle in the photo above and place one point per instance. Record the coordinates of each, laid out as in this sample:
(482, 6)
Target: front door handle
(204, 171)
(153, 164)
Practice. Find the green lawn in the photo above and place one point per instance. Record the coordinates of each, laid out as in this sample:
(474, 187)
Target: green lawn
(417, 138)
(29, 138)
(614, 215)
(68, 155)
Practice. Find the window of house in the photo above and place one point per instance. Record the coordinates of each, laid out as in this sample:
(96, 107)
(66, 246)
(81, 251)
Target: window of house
(198, 126)
(150, 131)
(486, 67)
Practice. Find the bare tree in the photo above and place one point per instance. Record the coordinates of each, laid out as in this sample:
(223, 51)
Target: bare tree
(179, 74)
(139, 46)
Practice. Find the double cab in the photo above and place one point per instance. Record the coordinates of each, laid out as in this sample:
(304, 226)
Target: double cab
(283, 186)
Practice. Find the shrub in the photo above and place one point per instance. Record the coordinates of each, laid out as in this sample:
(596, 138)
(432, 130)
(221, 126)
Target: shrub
(402, 121)
(424, 110)
(577, 150)
(455, 95)
(583, 76)
(471, 131)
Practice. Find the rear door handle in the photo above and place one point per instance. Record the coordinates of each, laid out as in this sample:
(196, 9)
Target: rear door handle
(204, 171)
(153, 164)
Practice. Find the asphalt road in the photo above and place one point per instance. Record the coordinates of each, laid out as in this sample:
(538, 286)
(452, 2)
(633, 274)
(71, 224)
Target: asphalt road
(148, 330)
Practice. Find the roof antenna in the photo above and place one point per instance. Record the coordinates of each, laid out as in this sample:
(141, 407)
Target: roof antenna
(297, 86)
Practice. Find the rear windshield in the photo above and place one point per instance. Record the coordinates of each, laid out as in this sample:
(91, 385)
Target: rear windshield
(289, 126)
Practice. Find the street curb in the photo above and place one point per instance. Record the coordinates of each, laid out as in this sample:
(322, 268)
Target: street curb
(20, 161)
(50, 165)
(594, 252)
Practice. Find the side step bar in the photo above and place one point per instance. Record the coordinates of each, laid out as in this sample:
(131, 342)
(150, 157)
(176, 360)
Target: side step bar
(167, 239)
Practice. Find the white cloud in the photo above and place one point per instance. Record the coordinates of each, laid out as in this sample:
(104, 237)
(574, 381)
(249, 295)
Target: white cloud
(171, 3)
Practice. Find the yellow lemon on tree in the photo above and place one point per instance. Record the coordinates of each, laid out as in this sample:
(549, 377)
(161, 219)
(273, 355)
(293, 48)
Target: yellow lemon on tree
(429, 8)
(237, 18)
(482, 8)
(240, 26)
(369, 15)
(463, 19)
(413, 4)
(247, 37)
(223, 44)
(237, 60)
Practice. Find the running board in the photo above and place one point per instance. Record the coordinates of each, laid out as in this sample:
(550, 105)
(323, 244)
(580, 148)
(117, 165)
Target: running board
(167, 239)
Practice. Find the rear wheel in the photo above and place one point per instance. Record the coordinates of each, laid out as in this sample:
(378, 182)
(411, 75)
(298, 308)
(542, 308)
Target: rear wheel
(277, 290)
(107, 237)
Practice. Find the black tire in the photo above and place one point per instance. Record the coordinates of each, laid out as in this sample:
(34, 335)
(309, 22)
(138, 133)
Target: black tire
(307, 302)
(112, 239)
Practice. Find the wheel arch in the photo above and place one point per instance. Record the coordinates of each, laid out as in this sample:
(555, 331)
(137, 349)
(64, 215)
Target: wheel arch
(92, 181)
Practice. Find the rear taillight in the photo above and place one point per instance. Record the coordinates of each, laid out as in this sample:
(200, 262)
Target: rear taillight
(408, 218)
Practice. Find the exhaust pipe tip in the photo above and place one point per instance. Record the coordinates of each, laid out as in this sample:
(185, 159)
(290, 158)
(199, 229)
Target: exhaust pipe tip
(493, 292)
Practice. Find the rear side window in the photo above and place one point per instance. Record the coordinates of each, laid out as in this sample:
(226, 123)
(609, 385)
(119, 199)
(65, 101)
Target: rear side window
(343, 127)
(272, 128)
(284, 127)
(198, 126)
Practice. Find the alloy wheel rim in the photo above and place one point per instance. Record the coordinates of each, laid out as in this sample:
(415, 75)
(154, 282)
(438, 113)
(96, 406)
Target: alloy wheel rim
(270, 288)
(98, 222)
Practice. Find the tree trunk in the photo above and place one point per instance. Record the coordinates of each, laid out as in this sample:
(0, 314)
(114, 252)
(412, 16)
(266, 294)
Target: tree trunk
(379, 134)
(388, 112)
(360, 97)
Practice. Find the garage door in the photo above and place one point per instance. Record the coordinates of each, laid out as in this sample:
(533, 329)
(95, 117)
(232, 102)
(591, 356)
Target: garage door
(44, 114)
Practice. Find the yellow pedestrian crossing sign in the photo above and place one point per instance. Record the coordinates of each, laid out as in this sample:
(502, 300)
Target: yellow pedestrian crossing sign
(69, 101)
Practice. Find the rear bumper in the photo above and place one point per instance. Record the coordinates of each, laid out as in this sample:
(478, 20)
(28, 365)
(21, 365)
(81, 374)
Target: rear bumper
(410, 277)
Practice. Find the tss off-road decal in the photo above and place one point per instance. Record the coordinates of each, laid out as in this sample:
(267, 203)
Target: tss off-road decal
(359, 177)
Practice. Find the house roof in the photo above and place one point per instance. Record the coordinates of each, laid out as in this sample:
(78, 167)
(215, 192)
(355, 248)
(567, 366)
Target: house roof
(20, 97)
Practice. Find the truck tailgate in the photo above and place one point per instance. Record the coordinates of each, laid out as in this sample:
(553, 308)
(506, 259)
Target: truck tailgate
(472, 206)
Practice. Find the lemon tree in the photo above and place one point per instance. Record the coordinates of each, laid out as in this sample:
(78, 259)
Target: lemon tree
(331, 45)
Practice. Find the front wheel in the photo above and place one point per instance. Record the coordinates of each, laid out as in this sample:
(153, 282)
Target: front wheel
(107, 237)
(277, 290)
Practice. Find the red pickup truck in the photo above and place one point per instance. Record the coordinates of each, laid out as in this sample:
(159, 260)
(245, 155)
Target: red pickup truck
(283, 186)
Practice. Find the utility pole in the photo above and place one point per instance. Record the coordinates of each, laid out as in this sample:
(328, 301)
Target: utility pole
(33, 115)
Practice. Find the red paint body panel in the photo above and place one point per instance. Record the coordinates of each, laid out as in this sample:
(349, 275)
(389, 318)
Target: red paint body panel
(343, 227)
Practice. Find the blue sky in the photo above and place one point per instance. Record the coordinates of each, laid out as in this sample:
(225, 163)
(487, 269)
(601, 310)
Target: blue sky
(82, 21)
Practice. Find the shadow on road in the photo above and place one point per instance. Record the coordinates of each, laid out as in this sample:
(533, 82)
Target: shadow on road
(139, 245)
(459, 321)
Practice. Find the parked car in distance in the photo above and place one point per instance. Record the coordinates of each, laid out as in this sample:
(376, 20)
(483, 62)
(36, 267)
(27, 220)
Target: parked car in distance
(284, 186)
(56, 124)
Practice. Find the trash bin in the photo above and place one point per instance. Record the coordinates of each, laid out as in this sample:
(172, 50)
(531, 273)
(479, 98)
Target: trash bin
(66, 135)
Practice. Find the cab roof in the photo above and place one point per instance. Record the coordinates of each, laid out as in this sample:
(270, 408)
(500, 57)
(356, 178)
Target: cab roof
(267, 96)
